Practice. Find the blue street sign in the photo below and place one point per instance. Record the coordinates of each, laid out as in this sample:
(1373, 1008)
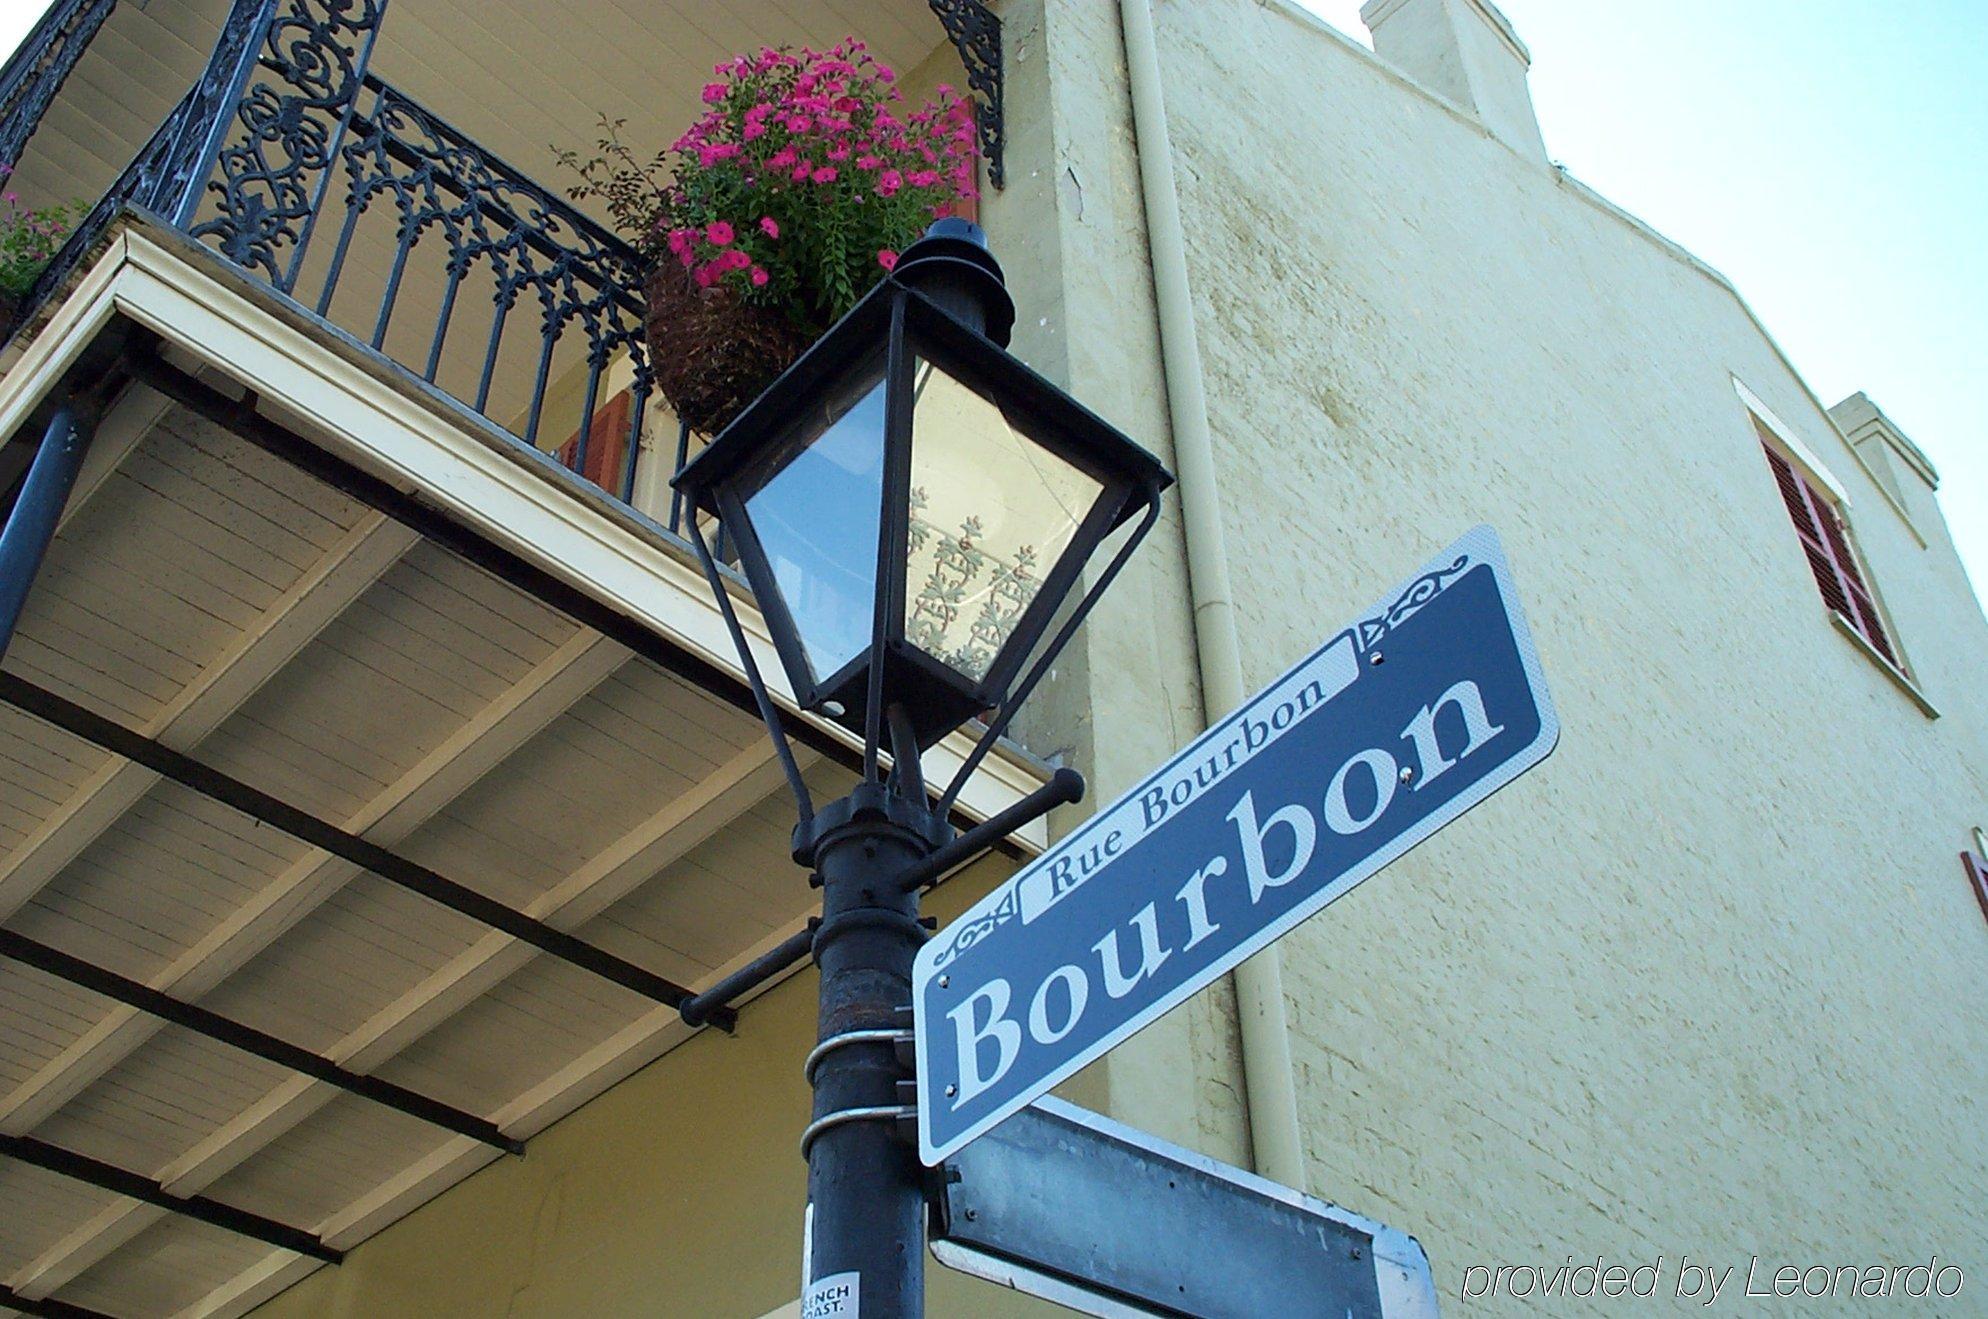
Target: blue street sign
(1390, 730)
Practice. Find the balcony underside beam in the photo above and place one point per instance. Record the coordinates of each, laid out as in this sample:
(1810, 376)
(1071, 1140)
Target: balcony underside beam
(191, 1016)
(109, 1177)
(611, 874)
(209, 782)
(45, 1307)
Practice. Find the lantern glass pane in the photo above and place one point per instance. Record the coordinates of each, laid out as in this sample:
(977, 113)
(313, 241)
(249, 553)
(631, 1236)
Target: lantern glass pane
(817, 520)
(991, 513)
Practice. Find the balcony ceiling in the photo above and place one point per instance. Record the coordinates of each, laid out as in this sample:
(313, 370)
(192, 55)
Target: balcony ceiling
(210, 596)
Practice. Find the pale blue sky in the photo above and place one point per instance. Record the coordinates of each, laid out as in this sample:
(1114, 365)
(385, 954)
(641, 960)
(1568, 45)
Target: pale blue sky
(1830, 157)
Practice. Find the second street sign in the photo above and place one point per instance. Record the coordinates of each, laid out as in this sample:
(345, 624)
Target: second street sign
(1394, 727)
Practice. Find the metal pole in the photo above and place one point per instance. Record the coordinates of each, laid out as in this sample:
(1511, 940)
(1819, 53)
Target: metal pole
(866, 1202)
(38, 509)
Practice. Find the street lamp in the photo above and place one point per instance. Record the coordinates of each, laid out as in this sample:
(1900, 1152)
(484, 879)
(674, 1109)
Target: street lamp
(913, 509)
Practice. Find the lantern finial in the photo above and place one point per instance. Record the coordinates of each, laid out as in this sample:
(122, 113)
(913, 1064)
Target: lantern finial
(952, 266)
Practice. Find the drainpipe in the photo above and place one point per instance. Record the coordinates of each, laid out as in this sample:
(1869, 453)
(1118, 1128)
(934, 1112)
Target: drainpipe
(1270, 1090)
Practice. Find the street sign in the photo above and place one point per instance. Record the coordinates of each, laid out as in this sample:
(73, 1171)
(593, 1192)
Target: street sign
(1070, 1206)
(1400, 723)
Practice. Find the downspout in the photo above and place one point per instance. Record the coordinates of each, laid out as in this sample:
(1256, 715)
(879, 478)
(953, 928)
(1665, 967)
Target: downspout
(1270, 1090)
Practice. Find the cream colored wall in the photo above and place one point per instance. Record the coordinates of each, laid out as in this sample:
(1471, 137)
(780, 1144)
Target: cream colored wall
(1069, 230)
(1709, 981)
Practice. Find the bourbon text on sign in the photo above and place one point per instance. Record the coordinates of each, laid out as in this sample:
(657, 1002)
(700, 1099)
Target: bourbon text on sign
(1393, 728)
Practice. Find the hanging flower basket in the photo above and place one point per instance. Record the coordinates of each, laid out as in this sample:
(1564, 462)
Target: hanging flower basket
(782, 206)
(711, 351)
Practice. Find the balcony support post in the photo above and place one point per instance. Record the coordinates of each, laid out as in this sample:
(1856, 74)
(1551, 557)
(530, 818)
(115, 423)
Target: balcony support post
(38, 509)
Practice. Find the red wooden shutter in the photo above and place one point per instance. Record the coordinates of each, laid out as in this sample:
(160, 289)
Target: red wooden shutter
(607, 444)
(1828, 550)
(1794, 493)
(1977, 878)
(1866, 617)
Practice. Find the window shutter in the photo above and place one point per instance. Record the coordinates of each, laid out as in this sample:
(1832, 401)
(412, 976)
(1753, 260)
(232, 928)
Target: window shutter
(1795, 494)
(1977, 878)
(607, 444)
(1866, 617)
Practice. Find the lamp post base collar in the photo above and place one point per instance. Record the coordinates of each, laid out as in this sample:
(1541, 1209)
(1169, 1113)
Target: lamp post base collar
(870, 806)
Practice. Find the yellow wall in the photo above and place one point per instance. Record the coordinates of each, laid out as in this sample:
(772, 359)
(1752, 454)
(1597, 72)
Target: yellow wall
(677, 1193)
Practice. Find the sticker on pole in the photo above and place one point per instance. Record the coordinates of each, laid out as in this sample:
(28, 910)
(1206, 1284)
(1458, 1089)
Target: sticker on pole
(1398, 724)
(838, 1296)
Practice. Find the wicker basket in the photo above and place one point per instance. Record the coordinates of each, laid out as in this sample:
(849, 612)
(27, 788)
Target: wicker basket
(711, 353)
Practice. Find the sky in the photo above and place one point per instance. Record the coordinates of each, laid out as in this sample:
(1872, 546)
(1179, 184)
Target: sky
(1830, 157)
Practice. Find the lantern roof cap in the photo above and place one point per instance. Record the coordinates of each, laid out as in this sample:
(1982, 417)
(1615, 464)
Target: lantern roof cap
(953, 266)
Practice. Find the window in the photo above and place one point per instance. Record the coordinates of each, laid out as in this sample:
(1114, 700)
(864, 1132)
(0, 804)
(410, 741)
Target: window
(1826, 542)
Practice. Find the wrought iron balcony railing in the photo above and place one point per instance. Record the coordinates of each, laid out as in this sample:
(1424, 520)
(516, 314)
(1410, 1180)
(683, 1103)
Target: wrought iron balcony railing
(300, 165)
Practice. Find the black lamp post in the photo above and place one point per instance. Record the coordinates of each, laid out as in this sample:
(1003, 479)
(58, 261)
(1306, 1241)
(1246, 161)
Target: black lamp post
(913, 508)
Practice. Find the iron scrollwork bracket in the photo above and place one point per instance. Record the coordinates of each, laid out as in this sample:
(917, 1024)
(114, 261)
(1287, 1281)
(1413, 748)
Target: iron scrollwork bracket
(976, 34)
(291, 115)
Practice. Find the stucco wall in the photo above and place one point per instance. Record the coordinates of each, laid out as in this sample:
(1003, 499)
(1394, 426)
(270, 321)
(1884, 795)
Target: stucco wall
(1710, 981)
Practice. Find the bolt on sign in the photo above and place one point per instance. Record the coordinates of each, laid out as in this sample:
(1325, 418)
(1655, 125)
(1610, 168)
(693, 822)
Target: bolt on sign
(1397, 725)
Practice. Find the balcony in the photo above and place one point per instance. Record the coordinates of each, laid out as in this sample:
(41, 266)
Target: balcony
(310, 151)
(375, 779)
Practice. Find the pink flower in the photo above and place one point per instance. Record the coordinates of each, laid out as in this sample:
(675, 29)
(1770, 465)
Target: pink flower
(803, 171)
(769, 226)
(713, 93)
(869, 162)
(799, 123)
(759, 277)
(826, 174)
(718, 233)
(735, 260)
(704, 276)
(754, 128)
(889, 182)
(887, 259)
(925, 178)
